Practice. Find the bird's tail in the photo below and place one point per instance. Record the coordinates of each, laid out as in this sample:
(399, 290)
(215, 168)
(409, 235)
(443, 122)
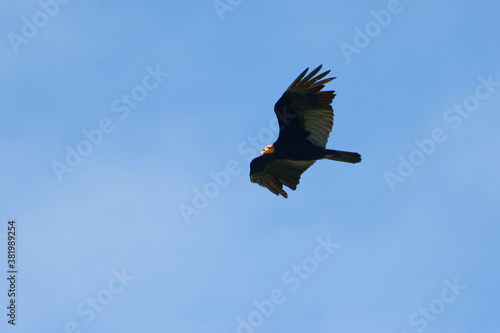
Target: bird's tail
(343, 156)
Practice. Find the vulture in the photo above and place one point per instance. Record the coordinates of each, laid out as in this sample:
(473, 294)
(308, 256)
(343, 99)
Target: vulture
(305, 118)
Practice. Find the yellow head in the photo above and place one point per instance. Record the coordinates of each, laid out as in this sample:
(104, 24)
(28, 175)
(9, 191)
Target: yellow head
(269, 149)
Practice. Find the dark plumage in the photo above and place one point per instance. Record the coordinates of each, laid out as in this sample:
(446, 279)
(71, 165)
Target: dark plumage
(305, 117)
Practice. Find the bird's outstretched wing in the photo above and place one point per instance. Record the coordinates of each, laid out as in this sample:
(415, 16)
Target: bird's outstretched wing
(304, 111)
(274, 173)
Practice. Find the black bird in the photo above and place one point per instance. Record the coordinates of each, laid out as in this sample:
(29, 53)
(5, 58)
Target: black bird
(305, 117)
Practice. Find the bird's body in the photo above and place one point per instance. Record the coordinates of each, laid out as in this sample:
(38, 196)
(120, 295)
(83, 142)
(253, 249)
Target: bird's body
(305, 117)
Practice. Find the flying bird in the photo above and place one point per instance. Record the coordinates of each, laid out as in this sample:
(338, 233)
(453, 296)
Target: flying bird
(305, 118)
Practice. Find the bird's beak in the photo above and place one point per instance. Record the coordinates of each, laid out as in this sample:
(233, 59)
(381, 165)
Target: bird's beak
(269, 149)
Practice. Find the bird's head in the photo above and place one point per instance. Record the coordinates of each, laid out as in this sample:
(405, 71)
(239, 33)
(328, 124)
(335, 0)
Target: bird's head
(269, 149)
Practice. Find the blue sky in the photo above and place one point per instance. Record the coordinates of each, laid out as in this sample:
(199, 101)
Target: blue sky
(126, 135)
